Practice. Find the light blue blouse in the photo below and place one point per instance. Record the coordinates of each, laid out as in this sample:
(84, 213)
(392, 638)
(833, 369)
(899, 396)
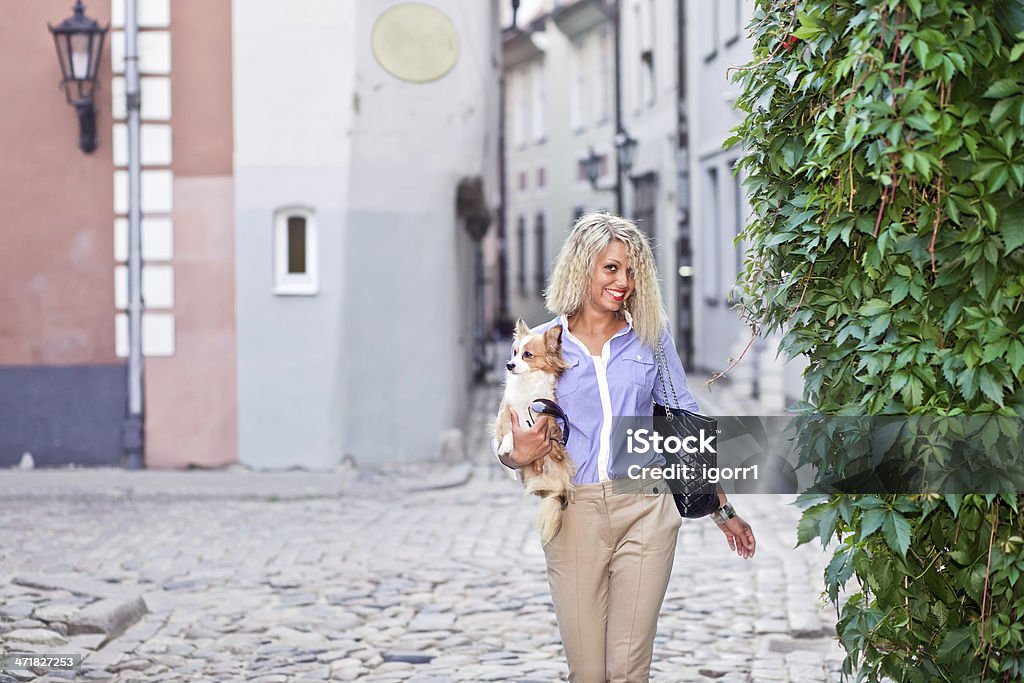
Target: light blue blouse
(621, 382)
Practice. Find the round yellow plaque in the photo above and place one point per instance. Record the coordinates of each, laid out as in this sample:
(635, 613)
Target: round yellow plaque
(415, 42)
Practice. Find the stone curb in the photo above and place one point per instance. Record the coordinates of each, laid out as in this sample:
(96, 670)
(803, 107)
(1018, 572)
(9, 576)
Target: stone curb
(112, 612)
(446, 476)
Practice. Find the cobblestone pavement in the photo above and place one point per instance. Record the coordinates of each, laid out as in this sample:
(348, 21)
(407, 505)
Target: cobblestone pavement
(382, 583)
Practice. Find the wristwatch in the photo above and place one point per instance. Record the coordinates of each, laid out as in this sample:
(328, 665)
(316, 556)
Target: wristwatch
(723, 514)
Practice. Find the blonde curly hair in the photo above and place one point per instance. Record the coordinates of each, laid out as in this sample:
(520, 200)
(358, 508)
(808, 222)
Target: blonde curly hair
(574, 268)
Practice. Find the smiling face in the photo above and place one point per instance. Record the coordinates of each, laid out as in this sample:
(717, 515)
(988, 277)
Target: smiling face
(612, 281)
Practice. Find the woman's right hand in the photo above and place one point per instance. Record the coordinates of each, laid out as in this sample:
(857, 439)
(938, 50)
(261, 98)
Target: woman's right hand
(531, 443)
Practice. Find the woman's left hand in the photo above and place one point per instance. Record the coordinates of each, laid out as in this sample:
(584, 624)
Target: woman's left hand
(740, 537)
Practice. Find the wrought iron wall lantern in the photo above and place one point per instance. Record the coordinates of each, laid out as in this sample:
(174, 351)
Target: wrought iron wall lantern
(625, 146)
(79, 42)
(592, 167)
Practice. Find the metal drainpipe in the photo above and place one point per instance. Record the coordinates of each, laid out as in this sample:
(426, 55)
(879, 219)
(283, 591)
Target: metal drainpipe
(617, 26)
(503, 314)
(684, 286)
(133, 432)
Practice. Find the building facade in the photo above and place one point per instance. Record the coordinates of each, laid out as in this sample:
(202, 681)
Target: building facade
(557, 108)
(716, 39)
(308, 282)
(673, 97)
(563, 104)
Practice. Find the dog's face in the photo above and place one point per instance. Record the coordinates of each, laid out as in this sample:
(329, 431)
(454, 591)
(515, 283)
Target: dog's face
(536, 352)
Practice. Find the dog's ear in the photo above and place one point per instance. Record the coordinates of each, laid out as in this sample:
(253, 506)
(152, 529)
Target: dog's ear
(553, 337)
(521, 329)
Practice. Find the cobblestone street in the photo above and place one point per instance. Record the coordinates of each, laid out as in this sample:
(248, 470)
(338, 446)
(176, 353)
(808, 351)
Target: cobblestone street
(384, 581)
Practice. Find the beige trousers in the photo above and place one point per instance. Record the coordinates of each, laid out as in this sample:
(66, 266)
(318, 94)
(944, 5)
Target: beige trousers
(608, 569)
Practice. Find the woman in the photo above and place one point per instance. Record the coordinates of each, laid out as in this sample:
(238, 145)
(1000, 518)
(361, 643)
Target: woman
(608, 566)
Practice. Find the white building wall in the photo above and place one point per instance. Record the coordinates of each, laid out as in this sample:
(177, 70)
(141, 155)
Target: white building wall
(649, 111)
(716, 39)
(375, 364)
(408, 262)
(293, 147)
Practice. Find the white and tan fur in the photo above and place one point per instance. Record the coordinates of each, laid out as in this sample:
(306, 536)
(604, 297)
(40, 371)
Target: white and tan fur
(533, 373)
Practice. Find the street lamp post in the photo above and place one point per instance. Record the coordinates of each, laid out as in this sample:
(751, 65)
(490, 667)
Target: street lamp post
(79, 43)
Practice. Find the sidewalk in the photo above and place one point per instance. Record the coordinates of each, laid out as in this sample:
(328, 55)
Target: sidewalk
(433, 575)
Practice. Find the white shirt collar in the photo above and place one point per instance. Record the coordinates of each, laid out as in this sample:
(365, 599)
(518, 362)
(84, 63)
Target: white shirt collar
(629, 322)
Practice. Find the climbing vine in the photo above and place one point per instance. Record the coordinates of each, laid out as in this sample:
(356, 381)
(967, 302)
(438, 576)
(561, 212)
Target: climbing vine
(883, 149)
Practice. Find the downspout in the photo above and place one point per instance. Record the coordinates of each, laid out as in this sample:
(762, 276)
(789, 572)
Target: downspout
(616, 16)
(133, 438)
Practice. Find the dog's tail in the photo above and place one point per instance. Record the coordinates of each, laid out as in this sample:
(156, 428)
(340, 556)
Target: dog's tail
(549, 516)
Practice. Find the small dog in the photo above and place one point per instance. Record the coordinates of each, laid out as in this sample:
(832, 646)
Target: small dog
(533, 374)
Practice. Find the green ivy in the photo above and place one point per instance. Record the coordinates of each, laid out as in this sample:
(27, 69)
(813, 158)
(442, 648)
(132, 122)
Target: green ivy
(883, 149)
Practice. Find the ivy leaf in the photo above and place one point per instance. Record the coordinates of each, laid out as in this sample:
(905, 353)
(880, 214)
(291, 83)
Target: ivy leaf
(984, 277)
(880, 325)
(896, 530)
(990, 386)
(807, 32)
(954, 500)
(827, 525)
(874, 307)
(956, 644)
(912, 392)
(995, 349)
(921, 50)
(1011, 227)
(1002, 88)
(968, 383)
(1015, 356)
(809, 524)
(871, 521)
(839, 570)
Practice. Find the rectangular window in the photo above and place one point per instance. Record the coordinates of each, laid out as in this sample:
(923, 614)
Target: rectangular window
(540, 264)
(650, 50)
(525, 93)
(739, 218)
(537, 102)
(521, 96)
(709, 30)
(295, 252)
(604, 77)
(541, 179)
(522, 181)
(640, 79)
(710, 271)
(296, 244)
(578, 87)
(734, 26)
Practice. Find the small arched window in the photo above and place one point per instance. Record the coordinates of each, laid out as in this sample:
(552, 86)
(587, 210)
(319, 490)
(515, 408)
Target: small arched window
(295, 252)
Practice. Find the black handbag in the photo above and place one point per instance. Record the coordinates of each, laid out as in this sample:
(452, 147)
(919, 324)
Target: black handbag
(695, 497)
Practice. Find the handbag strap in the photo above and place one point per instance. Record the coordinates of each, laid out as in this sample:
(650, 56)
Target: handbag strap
(549, 407)
(659, 353)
